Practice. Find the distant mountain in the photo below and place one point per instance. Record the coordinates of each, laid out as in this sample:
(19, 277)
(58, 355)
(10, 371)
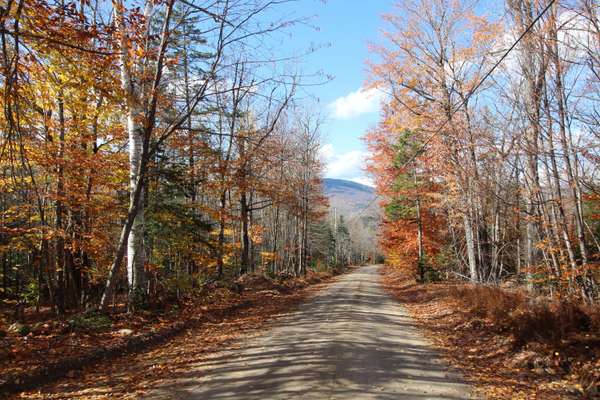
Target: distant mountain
(349, 198)
(344, 185)
(360, 207)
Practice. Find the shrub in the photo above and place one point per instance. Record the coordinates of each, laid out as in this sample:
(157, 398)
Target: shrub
(549, 321)
(137, 300)
(426, 273)
(175, 286)
(30, 293)
(488, 302)
(529, 319)
(90, 321)
(446, 260)
(432, 275)
(24, 330)
(594, 314)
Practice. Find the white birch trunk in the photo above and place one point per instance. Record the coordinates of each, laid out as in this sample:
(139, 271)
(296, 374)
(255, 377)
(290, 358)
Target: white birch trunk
(470, 248)
(135, 115)
(135, 242)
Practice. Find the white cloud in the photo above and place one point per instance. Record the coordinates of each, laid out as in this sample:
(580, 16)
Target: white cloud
(345, 165)
(349, 165)
(574, 37)
(326, 152)
(362, 101)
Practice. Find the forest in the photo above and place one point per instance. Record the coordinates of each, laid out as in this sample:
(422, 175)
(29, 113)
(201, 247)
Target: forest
(486, 159)
(165, 199)
(164, 137)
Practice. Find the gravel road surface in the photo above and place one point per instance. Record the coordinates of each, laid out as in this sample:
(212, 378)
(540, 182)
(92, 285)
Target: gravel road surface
(351, 341)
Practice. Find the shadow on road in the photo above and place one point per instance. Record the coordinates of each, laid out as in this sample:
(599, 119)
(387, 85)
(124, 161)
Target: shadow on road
(351, 341)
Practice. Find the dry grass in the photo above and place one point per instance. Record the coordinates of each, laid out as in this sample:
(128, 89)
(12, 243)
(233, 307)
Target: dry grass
(508, 345)
(529, 319)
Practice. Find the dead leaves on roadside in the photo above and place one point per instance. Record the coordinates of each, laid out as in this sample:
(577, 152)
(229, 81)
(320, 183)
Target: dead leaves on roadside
(487, 355)
(130, 376)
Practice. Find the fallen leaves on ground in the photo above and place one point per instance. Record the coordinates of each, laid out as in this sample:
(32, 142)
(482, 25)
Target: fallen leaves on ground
(489, 358)
(234, 317)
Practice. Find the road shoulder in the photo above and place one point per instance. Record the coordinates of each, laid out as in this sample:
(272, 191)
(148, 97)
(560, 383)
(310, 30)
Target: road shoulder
(488, 359)
(131, 375)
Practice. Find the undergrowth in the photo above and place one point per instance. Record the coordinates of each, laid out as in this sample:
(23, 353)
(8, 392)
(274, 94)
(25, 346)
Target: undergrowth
(539, 319)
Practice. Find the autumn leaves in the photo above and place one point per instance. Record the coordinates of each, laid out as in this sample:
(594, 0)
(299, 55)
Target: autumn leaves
(151, 133)
(484, 170)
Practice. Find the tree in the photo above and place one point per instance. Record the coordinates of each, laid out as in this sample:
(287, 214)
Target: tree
(141, 131)
(496, 142)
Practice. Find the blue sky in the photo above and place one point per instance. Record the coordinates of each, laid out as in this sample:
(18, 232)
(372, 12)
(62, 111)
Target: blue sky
(345, 27)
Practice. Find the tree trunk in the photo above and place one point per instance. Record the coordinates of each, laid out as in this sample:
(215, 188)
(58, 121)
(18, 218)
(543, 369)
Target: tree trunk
(245, 261)
(221, 239)
(567, 146)
(135, 243)
(420, 248)
(123, 239)
(470, 247)
(60, 194)
(275, 265)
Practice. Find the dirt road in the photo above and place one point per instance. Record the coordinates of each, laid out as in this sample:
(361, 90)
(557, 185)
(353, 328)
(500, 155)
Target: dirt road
(352, 341)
